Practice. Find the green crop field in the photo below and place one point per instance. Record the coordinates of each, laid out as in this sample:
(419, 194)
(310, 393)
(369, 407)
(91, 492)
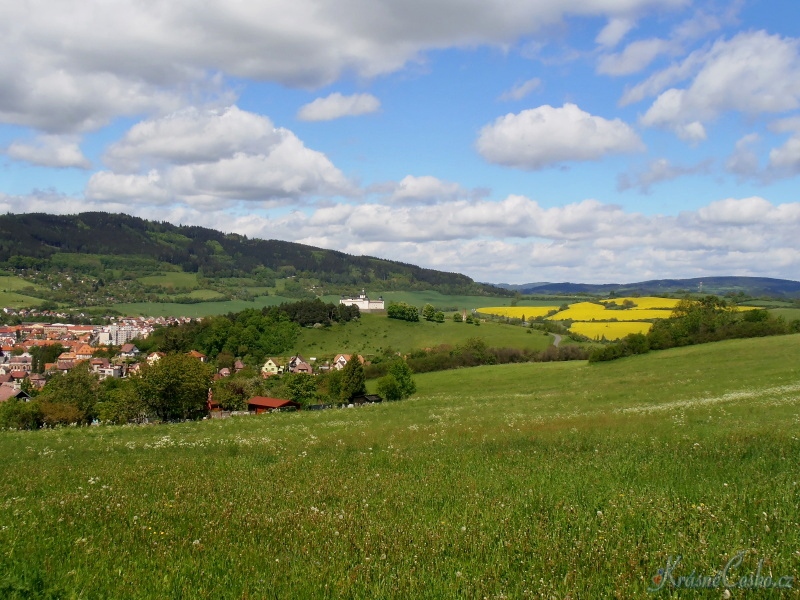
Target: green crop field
(374, 333)
(549, 480)
(172, 280)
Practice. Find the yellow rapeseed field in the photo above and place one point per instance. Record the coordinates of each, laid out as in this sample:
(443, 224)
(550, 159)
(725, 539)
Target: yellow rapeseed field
(647, 302)
(596, 320)
(589, 311)
(610, 331)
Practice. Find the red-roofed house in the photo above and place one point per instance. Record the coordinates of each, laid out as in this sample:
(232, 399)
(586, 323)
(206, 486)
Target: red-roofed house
(85, 352)
(198, 355)
(18, 375)
(260, 404)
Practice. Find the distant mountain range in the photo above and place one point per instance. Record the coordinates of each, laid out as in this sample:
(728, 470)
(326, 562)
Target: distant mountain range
(750, 286)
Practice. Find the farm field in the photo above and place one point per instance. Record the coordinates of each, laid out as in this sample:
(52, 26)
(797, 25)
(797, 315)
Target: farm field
(173, 279)
(609, 330)
(597, 320)
(374, 333)
(518, 481)
(591, 311)
(790, 314)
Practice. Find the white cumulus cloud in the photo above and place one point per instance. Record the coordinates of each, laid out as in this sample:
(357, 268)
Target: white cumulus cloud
(213, 157)
(545, 136)
(193, 135)
(515, 239)
(50, 151)
(424, 190)
(752, 73)
(74, 66)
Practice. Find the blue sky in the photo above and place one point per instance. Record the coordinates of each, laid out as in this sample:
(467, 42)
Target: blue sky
(514, 141)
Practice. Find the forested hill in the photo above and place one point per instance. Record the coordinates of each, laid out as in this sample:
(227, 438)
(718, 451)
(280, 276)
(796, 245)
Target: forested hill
(32, 240)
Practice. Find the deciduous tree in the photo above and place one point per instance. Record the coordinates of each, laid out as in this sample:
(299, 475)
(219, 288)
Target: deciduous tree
(175, 386)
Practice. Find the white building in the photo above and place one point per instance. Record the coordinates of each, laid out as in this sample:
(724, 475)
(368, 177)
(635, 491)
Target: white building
(364, 303)
(118, 334)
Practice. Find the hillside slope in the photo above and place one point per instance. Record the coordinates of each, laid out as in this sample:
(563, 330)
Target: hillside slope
(33, 240)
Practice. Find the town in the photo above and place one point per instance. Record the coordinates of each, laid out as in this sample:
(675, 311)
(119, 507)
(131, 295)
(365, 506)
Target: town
(32, 353)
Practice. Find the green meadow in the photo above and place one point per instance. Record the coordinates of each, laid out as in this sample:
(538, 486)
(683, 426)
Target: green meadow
(200, 309)
(544, 480)
(173, 279)
(441, 301)
(375, 333)
(790, 314)
(10, 296)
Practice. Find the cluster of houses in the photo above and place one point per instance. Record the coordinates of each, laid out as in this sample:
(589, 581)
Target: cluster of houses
(117, 332)
(297, 364)
(17, 368)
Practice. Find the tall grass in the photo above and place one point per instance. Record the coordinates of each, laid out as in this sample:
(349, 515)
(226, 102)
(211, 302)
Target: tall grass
(519, 481)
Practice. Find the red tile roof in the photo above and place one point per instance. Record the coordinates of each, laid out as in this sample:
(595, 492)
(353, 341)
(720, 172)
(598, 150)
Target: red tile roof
(264, 402)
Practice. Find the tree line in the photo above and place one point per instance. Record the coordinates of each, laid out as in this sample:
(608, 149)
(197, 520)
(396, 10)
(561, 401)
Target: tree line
(252, 334)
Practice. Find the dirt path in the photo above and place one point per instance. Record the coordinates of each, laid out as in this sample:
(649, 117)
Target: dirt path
(556, 339)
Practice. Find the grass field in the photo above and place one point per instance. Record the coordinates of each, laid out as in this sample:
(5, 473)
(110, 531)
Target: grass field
(373, 333)
(204, 309)
(14, 284)
(439, 300)
(206, 295)
(790, 314)
(15, 300)
(172, 280)
(547, 480)
(10, 286)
